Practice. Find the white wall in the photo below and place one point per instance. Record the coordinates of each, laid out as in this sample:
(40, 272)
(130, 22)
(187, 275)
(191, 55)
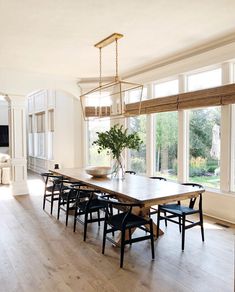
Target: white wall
(17, 82)
(67, 150)
(4, 121)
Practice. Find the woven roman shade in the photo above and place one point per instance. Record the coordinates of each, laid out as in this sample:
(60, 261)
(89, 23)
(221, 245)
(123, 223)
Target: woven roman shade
(216, 96)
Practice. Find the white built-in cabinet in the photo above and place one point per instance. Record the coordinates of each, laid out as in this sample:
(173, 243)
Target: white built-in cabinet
(54, 130)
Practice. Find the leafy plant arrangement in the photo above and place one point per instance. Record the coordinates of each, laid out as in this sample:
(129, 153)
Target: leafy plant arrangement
(116, 140)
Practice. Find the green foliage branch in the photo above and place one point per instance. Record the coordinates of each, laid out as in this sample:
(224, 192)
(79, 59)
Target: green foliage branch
(116, 140)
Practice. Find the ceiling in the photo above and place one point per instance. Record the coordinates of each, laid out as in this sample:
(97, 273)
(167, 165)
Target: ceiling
(57, 36)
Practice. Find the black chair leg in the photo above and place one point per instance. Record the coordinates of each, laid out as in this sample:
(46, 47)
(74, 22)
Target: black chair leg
(122, 248)
(75, 220)
(202, 229)
(180, 224)
(158, 221)
(67, 212)
(98, 215)
(130, 235)
(58, 212)
(85, 226)
(183, 231)
(152, 238)
(165, 219)
(104, 237)
(44, 201)
(52, 202)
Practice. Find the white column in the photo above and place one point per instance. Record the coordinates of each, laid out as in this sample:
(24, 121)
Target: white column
(183, 137)
(226, 133)
(17, 106)
(150, 138)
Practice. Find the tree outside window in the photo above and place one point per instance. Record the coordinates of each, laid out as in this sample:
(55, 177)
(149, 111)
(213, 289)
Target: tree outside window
(204, 146)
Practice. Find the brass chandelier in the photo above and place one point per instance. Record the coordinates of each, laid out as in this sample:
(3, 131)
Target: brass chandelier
(114, 99)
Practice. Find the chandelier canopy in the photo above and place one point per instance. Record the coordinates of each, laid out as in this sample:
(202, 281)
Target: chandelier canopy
(113, 98)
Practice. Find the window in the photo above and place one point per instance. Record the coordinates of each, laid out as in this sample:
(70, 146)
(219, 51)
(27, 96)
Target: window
(40, 135)
(166, 135)
(50, 134)
(94, 158)
(204, 80)
(137, 159)
(204, 146)
(166, 88)
(30, 135)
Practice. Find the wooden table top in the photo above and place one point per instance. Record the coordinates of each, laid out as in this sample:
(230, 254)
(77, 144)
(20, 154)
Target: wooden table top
(135, 188)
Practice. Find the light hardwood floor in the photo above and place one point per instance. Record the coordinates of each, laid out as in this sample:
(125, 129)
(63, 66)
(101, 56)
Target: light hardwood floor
(38, 253)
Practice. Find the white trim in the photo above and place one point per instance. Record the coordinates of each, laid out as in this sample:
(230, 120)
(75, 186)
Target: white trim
(150, 137)
(232, 152)
(218, 218)
(211, 48)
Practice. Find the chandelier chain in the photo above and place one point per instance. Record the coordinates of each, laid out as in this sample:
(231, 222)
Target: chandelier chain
(100, 81)
(116, 77)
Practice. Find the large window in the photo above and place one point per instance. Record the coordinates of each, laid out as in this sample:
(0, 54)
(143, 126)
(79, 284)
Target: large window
(204, 146)
(40, 135)
(204, 133)
(166, 125)
(203, 80)
(94, 158)
(137, 159)
(50, 134)
(30, 135)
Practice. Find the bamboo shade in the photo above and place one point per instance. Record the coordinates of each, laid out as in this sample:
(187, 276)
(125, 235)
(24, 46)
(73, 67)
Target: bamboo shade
(216, 96)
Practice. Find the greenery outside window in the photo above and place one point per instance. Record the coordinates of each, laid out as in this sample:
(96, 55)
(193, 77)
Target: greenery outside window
(166, 125)
(204, 146)
(137, 159)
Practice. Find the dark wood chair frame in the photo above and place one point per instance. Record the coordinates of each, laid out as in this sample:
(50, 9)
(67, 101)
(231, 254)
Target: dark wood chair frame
(87, 203)
(125, 221)
(51, 192)
(152, 209)
(130, 172)
(181, 212)
(67, 197)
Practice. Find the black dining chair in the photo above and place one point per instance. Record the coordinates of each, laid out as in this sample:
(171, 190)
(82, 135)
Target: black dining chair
(158, 177)
(67, 198)
(87, 203)
(51, 189)
(153, 209)
(123, 222)
(130, 172)
(182, 212)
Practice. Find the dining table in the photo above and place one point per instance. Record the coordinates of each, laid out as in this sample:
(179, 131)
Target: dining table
(134, 188)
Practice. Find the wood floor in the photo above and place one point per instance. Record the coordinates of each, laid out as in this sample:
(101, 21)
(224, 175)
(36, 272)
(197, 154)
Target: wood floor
(38, 253)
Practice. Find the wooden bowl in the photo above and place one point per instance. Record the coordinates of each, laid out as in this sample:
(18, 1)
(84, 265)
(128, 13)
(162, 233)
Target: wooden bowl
(98, 171)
